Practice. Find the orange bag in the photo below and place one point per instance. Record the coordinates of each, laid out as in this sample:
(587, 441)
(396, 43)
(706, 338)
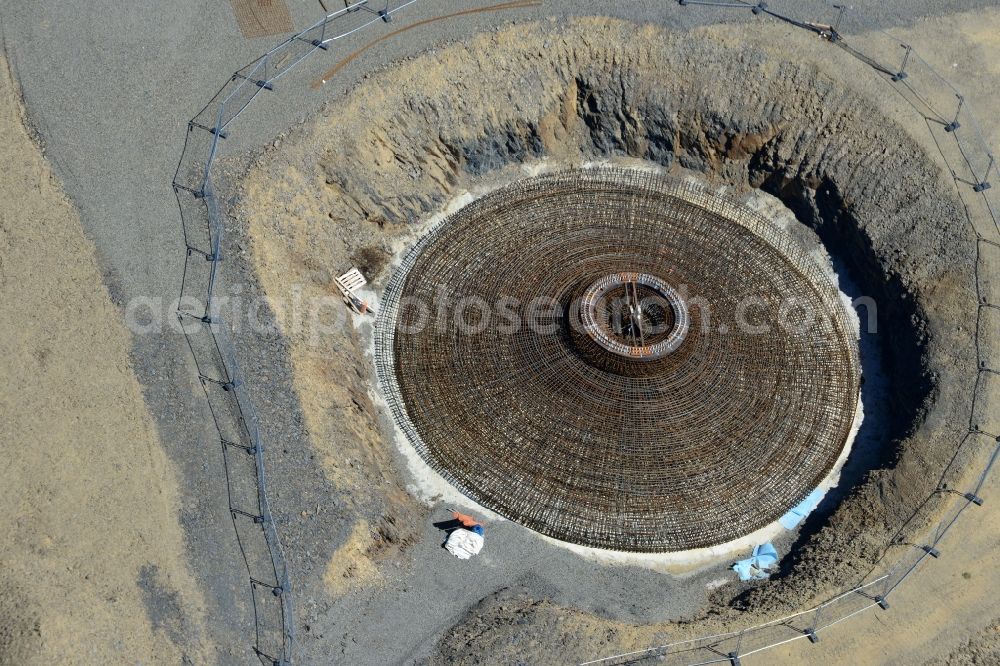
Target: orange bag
(467, 521)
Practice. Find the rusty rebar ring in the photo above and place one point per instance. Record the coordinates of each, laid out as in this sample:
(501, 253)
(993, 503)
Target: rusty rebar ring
(700, 445)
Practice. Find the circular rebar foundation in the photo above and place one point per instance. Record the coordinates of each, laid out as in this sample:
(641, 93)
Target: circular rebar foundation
(620, 360)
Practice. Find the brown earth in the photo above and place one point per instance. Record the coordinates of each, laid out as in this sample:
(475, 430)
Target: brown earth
(92, 563)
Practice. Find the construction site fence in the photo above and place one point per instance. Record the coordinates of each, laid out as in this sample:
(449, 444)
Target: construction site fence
(241, 447)
(240, 443)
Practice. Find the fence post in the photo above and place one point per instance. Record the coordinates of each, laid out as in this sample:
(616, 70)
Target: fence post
(880, 599)
(974, 498)
(954, 124)
(810, 631)
(984, 184)
(835, 30)
(734, 656)
(901, 74)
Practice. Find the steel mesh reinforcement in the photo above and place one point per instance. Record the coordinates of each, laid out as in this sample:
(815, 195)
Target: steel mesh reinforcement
(483, 371)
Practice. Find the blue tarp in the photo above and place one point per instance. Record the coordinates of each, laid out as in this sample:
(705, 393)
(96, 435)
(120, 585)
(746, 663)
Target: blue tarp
(757, 566)
(791, 519)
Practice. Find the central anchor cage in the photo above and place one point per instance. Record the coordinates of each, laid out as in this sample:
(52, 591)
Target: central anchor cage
(635, 315)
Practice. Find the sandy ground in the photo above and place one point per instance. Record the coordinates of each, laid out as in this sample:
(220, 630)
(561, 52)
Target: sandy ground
(92, 565)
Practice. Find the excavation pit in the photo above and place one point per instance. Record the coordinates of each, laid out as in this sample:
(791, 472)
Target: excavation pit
(847, 164)
(512, 347)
